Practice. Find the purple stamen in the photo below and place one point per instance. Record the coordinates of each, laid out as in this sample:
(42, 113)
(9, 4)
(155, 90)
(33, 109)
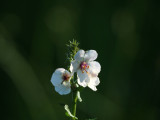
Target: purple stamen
(84, 66)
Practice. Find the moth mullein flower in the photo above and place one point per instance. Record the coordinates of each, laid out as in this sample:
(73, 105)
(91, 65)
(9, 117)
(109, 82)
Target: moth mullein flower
(87, 69)
(61, 80)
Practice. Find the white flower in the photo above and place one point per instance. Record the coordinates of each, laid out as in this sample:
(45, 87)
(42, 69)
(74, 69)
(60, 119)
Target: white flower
(87, 69)
(61, 80)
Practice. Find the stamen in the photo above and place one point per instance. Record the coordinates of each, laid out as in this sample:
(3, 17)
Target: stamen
(86, 71)
(65, 77)
(84, 66)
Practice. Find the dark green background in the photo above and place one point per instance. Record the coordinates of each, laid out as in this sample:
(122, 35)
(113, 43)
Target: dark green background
(126, 35)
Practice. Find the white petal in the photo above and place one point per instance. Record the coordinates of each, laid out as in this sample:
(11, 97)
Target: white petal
(83, 78)
(67, 72)
(59, 70)
(79, 55)
(90, 55)
(94, 81)
(56, 78)
(92, 87)
(63, 90)
(66, 84)
(74, 66)
(94, 68)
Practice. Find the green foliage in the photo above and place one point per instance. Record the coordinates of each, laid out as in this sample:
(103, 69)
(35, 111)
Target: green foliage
(68, 113)
(72, 50)
(79, 97)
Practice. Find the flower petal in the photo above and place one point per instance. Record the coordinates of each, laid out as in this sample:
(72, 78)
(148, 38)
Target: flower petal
(90, 55)
(94, 68)
(94, 81)
(74, 66)
(92, 87)
(83, 78)
(68, 73)
(79, 55)
(63, 90)
(56, 78)
(66, 84)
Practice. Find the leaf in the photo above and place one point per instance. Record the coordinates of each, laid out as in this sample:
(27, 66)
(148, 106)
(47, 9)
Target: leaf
(68, 113)
(79, 97)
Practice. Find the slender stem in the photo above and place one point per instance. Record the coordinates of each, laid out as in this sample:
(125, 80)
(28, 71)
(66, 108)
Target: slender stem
(75, 104)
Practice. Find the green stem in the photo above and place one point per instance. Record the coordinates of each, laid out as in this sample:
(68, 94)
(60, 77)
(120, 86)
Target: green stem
(75, 104)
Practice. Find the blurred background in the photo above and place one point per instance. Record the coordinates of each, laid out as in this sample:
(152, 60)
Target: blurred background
(33, 37)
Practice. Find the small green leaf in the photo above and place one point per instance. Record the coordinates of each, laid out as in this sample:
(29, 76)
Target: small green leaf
(68, 113)
(79, 97)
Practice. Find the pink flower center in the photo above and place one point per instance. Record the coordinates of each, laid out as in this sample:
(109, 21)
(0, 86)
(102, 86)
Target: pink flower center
(84, 66)
(66, 77)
